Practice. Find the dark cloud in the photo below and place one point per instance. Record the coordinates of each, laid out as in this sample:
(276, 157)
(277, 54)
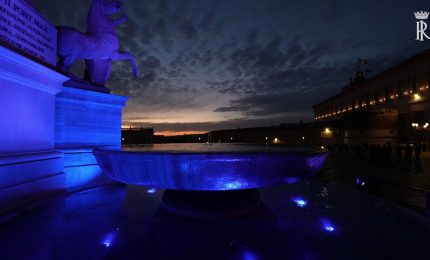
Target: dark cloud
(207, 20)
(237, 64)
(150, 63)
(234, 108)
(188, 29)
(159, 27)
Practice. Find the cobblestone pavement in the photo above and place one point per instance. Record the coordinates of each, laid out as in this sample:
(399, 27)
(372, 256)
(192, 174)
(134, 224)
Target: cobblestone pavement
(394, 181)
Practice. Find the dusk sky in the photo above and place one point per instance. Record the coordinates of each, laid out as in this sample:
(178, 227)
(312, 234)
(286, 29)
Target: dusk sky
(207, 65)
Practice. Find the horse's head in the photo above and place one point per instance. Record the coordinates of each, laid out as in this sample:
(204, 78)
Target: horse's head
(110, 7)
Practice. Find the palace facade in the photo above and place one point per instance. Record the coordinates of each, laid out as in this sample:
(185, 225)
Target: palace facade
(390, 107)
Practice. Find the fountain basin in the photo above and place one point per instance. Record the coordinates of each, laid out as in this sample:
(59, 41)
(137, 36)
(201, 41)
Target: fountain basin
(207, 167)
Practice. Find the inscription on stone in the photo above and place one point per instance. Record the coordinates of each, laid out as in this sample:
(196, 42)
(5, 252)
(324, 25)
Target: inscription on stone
(24, 28)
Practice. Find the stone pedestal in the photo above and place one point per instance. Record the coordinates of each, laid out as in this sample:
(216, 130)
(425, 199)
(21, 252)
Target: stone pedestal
(48, 131)
(86, 119)
(30, 166)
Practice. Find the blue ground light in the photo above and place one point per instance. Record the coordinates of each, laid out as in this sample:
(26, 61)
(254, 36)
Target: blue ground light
(109, 238)
(327, 225)
(151, 190)
(329, 228)
(248, 255)
(300, 202)
(360, 181)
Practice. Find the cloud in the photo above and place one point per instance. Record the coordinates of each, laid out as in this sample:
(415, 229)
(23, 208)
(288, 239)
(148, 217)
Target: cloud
(188, 29)
(263, 62)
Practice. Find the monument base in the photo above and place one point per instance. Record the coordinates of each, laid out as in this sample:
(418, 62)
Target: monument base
(82, 84)
(82, 170)
(26, 178)
(87, 119)
(48, 132)
(30, 167)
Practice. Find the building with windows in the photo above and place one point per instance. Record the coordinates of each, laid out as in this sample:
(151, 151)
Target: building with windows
(137, 136)
(390, 107)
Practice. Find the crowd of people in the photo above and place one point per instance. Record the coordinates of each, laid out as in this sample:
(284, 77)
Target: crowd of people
(406, 153)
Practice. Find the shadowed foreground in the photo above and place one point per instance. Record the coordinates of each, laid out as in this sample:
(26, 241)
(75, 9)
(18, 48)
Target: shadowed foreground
(306, 219)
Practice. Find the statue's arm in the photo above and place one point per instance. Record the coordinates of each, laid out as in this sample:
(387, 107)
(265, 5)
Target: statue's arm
(120, 21)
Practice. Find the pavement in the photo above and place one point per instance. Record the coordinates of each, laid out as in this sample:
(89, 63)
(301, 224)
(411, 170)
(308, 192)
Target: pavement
(394, 181)
(303, 220)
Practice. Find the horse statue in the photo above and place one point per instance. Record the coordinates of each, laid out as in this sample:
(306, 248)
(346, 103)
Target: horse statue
(99, 46)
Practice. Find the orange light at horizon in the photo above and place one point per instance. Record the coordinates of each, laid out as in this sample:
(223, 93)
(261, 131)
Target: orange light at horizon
(176, 133)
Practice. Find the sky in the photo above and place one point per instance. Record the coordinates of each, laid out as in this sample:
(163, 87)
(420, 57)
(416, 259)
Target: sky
(220, 64)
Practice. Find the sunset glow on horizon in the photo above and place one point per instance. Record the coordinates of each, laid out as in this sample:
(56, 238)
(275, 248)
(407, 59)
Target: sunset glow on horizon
(176, 133)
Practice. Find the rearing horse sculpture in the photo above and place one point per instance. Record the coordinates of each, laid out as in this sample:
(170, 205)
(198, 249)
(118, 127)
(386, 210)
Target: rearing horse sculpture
(99, 44)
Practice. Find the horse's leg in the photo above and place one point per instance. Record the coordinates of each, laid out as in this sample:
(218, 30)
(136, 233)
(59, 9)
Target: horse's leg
(60, 64)
(66, 62)
(126, 56)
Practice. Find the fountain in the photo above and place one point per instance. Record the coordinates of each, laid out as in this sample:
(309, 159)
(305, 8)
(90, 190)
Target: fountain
(214, 180)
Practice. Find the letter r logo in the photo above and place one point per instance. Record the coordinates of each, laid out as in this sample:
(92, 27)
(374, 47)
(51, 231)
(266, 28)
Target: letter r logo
(421, 31)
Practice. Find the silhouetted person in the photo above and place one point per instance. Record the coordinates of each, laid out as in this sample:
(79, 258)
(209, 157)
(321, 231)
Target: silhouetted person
(365, 148)
(389, 152)
(399, 153)
(384, 153)
(408, 154)
(417, 155)
(378, 153)
(373, 153)
(358, 151)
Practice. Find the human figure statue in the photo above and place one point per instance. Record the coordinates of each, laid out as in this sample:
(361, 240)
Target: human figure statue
(99, 46)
